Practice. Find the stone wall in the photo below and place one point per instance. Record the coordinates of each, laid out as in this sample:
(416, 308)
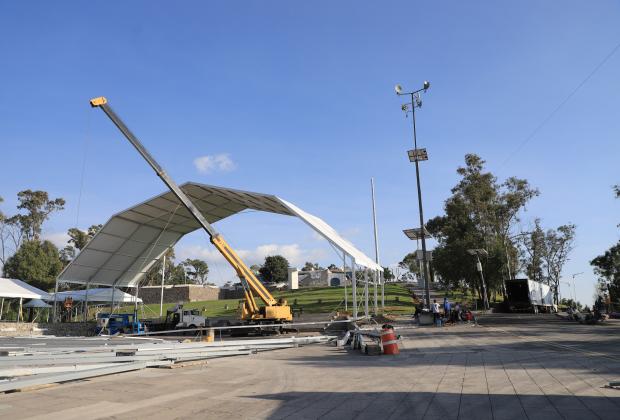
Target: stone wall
(61, 329)
(179, 293)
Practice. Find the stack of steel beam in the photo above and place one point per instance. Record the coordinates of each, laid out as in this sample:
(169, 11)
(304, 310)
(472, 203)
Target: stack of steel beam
(41, 362)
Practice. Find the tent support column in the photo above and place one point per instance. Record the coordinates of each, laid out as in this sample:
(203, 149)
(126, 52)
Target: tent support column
(382, 290)
(375, 279)
(112, 301)
(19, 314)
(374, 222)
(54, 318)
(163, 277)
(344, 275)
(354, 287)
(366, 292)
(86, 304)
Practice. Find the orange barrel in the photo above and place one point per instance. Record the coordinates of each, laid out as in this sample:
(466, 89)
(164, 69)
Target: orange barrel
(389, 340)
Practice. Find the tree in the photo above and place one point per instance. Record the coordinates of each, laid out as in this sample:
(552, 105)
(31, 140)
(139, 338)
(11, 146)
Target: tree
(77, 241)
(558, 246)
(37, 263)
(481, 213)
(79, 238)
(310, 266)
(11, 236)
(387, 274)
(275, 269)
(607, 268)
(197, 270)
(173, 274)
(410, 263)
(532, 252)
(37, 207)
(333, 267)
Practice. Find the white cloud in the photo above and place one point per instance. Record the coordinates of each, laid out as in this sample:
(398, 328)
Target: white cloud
(57, 238)
(214, 163)
(292, 252)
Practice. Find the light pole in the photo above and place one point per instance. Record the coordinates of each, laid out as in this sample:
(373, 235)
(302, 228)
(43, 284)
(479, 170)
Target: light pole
(574, 290)
(416, 155)
(477, 253)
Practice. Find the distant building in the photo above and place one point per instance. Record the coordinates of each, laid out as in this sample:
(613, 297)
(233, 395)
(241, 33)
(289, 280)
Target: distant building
(323, 278)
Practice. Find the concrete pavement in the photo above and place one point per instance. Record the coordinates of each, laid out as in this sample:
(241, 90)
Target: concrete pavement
(463, 372)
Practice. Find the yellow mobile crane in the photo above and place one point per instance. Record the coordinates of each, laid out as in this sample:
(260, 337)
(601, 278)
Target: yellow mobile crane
(273, 311)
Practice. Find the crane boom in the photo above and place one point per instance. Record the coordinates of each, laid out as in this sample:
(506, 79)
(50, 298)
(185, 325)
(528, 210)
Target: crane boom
(273, 310)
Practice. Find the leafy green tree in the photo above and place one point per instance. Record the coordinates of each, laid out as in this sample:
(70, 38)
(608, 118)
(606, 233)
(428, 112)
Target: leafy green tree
(77, 241)
(333, 267)
(558, 246)
(37, 263)
(275, 269)
(410, 263)
(37, 207)
(197, 270)
(532, 252)
(387, 274)
(310, 266)
(481, 213)
(607, 268)
(11, 236)
(172, 275)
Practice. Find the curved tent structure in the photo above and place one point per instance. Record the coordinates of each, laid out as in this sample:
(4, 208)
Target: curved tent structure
(132, 241)
(100, 295)
(17, 289)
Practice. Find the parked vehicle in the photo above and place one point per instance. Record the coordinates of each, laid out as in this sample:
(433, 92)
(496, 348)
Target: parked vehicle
(178, 318)
(119, 324)
(526, 295)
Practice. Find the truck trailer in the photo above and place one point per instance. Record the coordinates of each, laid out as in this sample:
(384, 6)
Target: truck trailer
(525, 295)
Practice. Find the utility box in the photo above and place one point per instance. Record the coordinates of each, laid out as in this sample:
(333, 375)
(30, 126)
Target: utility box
(293, 279)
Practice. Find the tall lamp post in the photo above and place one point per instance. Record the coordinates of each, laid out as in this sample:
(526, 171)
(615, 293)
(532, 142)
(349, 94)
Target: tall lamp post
(415, 156)
(477, 253)
(575, 290)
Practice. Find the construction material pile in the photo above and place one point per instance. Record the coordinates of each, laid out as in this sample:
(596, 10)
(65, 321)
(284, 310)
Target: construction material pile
(33, 362)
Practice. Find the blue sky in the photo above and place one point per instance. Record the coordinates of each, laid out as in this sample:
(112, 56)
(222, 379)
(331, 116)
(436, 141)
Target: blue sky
(297, 100)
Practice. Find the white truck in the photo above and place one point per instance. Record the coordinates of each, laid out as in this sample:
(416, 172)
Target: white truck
(178, 318)
(529, 295)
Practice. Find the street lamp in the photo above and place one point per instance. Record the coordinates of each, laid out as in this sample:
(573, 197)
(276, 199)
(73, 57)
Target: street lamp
(477, 253)
(574, 290)
(416, 155)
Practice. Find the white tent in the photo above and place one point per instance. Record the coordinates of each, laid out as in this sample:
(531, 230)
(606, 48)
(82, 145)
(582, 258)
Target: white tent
(131, 242)
(16, 289)
(102, 295)
(37, 303)
(122, 252)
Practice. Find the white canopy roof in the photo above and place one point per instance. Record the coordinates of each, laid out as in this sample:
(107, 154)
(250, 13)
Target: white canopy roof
(98, 295)
(13, 288)
(132, 241)
(37, 303)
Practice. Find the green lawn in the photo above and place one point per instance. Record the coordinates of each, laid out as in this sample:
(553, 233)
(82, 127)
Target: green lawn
(311, 300)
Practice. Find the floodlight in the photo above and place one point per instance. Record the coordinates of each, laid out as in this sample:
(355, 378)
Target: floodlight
(478, 251)
(416, 233)
(398, 89)
(417, 155)
(427, 84)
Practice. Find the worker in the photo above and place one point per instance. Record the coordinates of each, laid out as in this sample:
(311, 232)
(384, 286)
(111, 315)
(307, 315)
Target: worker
(435, 310)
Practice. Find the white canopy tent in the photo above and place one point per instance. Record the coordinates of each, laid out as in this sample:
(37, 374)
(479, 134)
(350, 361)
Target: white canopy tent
(17, 289)
(100, 295)
(128, 245)
(13, 288)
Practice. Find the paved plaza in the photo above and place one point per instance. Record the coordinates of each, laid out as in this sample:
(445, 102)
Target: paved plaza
(510, 367)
